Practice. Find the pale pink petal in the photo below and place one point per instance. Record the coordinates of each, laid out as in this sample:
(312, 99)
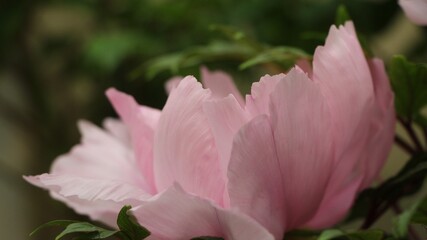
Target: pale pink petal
(184, 149)
(142, 123)
(225, 117)
(258, 102)
(221, 84)
(255, 179)
(335, 207)
(302, 126)
(99, 199)
(305, 65)
(118, 129)
(176, 215)
(99, 156)
(415, 10)
(382, 126)
(172, 83)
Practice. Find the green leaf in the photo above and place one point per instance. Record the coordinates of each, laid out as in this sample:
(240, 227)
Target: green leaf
(409, 82)
(370, 234)
(129, 227)
(285, 56)
(86, 228)
(55, 223)
(420, 215)
(330, 234)
(402, 222)
(342, 15)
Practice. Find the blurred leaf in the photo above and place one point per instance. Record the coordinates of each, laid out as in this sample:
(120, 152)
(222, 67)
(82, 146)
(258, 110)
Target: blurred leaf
(342, 15)
(420, 215)
(330, 234)
(108, 49)
(55, 223)
(88, 229)
(238, 36)
(409, 82)
(191, 57)
(406, 182)
(417, 214)
(370, 234)
(285, 56)
(129, 226)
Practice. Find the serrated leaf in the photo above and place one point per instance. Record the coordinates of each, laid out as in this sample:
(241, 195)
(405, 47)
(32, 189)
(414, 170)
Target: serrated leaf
(129, 227)
(55, 223)
(409, 82)
(342, 15)
(85, 228)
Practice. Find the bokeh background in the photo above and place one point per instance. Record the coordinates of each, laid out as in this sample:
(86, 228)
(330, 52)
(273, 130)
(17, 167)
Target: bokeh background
(58, 57)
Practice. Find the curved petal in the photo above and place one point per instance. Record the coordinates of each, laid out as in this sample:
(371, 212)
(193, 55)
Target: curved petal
(99, 199)
(172, 83)
(225, 117)
(256, 184)
(415, 10)
(142, 123)
(220, 84)
(301, 124)
(184, 149)
(258, 102)
(382, 126)
(176, 215)
(118, 129)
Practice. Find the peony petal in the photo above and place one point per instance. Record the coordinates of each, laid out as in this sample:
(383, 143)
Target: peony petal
(172, 83)
(335, 206)
(184, 149)
(415, 10)
(176, 215)
(142, 122)
(225, 117)
(383, 124)
(99, 156)
(258, 102)
(100, 199)
(301, 125)
(255, 178)
(118, 129)
(220, 84)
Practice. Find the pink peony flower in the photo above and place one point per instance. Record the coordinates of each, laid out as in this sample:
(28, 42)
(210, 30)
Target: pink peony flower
(415, 10)
(293, 154)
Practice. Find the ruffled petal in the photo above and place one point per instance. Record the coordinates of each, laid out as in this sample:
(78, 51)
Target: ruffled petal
(99, 199)
(172, 83)
(184, 149)
(301, 124)
(415, 10)
(255, 179)
(258, 102)
(221, 84)
(142, 123)
(176, 215)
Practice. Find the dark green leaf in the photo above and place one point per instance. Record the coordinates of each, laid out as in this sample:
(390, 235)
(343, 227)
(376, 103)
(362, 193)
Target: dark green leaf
(330, 234)
(409, 82)
(420, 215)
(55, 223)
(371, 234)
(129, 227)
(85, 228)
(342, 15)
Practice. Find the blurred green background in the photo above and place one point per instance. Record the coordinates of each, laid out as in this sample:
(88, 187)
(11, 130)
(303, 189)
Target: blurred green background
(58, 57)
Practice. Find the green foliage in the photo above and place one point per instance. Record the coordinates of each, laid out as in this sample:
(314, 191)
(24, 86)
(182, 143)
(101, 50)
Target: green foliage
(342, 15)
(409, 82)
(406, 182)
(417, 213)
(129, 229)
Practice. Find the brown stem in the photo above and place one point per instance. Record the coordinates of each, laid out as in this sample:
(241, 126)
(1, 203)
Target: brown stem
(404, 145)
(408, 127)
